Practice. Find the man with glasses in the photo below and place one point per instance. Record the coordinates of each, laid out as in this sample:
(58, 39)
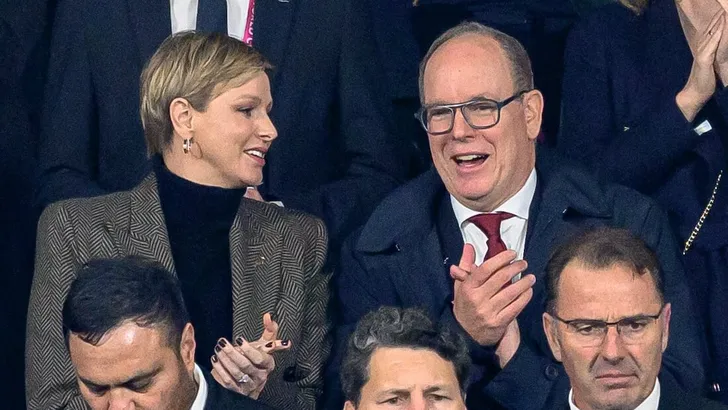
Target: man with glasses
(608, 322)
(491, 205)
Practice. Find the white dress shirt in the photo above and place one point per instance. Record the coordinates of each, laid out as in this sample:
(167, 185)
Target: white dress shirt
(184, 16)
(201, 398)
(512, 230)
(651, 402)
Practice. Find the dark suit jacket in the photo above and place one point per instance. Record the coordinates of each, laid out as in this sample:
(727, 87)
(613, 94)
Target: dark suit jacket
(220, 398)
(402, 257)
(620, 118)
(672, 397)
(335, 157)
(276, 254)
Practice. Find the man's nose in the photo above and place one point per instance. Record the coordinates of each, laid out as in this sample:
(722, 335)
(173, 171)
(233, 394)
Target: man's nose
(120, 400)
(418, 402)
(612, 346)
(460, 127)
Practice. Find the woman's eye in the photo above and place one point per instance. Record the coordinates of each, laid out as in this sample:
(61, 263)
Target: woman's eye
(246, 111)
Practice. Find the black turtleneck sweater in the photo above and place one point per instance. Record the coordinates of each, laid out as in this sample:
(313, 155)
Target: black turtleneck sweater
(198, 220)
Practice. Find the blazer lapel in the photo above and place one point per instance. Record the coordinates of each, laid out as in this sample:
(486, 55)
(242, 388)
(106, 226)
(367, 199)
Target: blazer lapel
(152, 23)
(143, 231)
(257, 272)
(274, 21)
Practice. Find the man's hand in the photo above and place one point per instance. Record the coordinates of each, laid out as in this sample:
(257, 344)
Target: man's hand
(509, 344)
(702, 81)
(485, 301)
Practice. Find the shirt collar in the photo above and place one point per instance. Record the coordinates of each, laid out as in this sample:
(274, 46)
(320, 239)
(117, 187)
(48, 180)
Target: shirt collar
(201, 398)
(652, 401)
(518, 205)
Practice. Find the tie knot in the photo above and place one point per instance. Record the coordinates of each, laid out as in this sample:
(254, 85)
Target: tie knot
(490, 223)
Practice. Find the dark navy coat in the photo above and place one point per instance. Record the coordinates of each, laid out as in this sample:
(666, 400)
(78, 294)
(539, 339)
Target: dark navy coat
(402, 256)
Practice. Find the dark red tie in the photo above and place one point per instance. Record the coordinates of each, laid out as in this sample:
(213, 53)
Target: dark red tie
(490, 225)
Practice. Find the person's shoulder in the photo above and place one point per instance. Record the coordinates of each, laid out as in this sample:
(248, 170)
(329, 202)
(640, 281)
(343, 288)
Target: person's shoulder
(581, 188)
(409, 208)
(287, 221)
(84, 211)
(607, 27)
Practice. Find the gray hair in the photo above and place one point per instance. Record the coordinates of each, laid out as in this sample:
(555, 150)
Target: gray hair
(520, 63)
(405, 328)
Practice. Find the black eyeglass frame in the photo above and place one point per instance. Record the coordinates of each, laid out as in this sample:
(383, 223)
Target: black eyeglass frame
(609, 324)
(420, 114)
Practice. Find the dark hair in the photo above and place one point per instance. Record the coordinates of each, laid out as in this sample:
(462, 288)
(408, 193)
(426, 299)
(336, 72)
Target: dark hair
(394, 327)
(601, 248)
(520, 63)
(109, 292)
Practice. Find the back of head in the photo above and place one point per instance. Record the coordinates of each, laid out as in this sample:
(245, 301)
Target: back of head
(195, 66)
(391, 327)
(108, 293)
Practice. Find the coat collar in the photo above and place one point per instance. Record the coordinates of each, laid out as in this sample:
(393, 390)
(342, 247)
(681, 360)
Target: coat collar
(254, 249)
(409, 212)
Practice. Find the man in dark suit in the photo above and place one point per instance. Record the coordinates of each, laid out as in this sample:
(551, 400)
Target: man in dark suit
(131, 341)
(597, 280)
(483, 116)
(336, 158)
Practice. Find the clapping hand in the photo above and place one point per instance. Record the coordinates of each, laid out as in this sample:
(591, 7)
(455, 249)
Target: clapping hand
(244, 367)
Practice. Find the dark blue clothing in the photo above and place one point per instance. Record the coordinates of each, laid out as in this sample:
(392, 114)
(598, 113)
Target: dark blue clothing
(620, 118)
(402, 257)
(198, 220)
(335, 157)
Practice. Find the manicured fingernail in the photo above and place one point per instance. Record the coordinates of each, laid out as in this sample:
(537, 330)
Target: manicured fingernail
(222, 342)
(269, 344)
(285, 343)
(218, 348)
(214, 358)
(239, 341)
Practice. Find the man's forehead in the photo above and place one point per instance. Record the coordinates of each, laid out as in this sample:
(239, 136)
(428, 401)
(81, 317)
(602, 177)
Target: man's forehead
(466, 58)
(618, 284)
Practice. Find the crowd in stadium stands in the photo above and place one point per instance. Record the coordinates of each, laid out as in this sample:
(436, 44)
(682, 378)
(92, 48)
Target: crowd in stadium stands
(364, 204)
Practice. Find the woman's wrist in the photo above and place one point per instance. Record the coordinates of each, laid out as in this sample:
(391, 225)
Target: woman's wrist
(689, 103)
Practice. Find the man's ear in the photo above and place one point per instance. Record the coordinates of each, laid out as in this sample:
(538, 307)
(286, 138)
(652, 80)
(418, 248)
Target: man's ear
(187, 347)
(180, 113)
(349, 405)
(549, 327)
(666, 314)
(533, 105)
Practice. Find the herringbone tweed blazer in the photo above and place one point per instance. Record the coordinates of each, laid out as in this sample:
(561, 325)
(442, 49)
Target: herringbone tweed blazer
(277, 257)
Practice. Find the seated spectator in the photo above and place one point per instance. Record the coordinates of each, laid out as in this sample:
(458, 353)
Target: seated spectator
(645, 106)
(608, 321)
(205, 102)
(132, 344)
(397, 358)
(490, 204)
(332, 108)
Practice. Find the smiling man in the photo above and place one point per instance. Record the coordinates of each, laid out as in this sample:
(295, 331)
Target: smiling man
(608, 321)
(495, 207)
(132, 344)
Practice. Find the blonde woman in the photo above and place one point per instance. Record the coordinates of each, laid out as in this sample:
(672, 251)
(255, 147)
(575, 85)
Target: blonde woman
(251, 272)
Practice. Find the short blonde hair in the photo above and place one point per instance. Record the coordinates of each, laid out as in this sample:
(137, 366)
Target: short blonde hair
(197, 67)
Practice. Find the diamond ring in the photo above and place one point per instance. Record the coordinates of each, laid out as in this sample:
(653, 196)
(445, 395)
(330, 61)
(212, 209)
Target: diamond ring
(244, 378)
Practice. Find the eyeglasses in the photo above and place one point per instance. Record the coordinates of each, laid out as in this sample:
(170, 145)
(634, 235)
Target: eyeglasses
(480, 113)
(591, 333)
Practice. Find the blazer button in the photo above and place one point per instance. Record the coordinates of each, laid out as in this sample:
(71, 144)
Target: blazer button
(715, 387)
(551, 372)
